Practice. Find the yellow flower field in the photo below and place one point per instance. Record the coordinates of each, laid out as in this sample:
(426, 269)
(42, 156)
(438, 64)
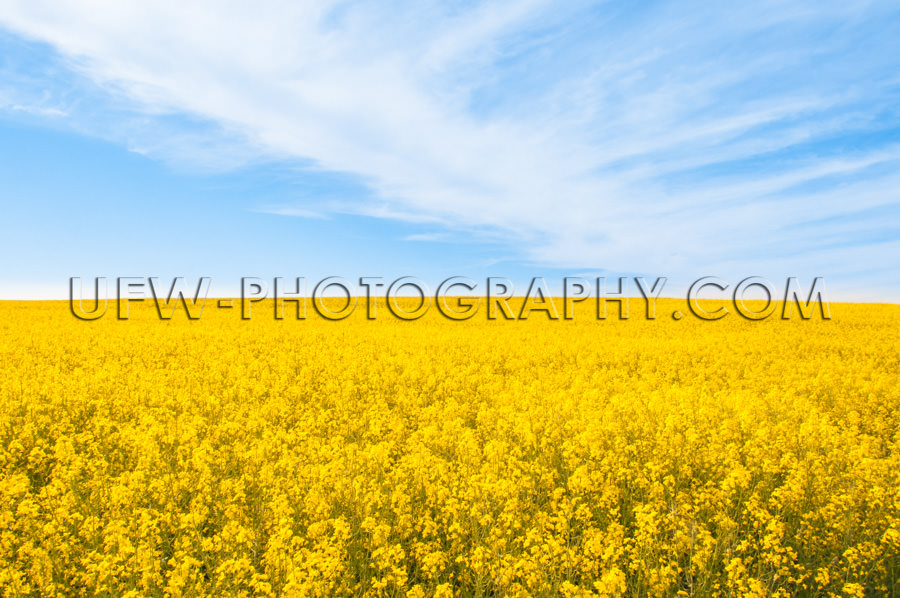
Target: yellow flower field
(224, 457)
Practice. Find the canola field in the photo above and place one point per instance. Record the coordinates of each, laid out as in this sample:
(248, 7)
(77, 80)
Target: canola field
(224, 457)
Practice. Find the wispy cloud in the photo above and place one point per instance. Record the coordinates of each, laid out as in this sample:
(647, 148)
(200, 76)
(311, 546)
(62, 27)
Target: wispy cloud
(292, 211)
(429, 237)
(672, 137)
(38, 110)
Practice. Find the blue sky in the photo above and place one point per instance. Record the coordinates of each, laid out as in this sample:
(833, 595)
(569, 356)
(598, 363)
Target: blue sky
(515, 138)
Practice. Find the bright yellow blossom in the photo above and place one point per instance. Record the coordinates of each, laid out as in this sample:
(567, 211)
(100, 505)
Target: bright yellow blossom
(437, 458)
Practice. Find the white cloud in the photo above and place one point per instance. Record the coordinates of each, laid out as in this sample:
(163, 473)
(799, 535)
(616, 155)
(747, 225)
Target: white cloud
(429, 237)
(292, 211)
(38, 110)
(582, 136)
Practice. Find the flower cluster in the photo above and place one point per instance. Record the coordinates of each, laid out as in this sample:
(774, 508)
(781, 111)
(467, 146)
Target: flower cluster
(222, 457)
